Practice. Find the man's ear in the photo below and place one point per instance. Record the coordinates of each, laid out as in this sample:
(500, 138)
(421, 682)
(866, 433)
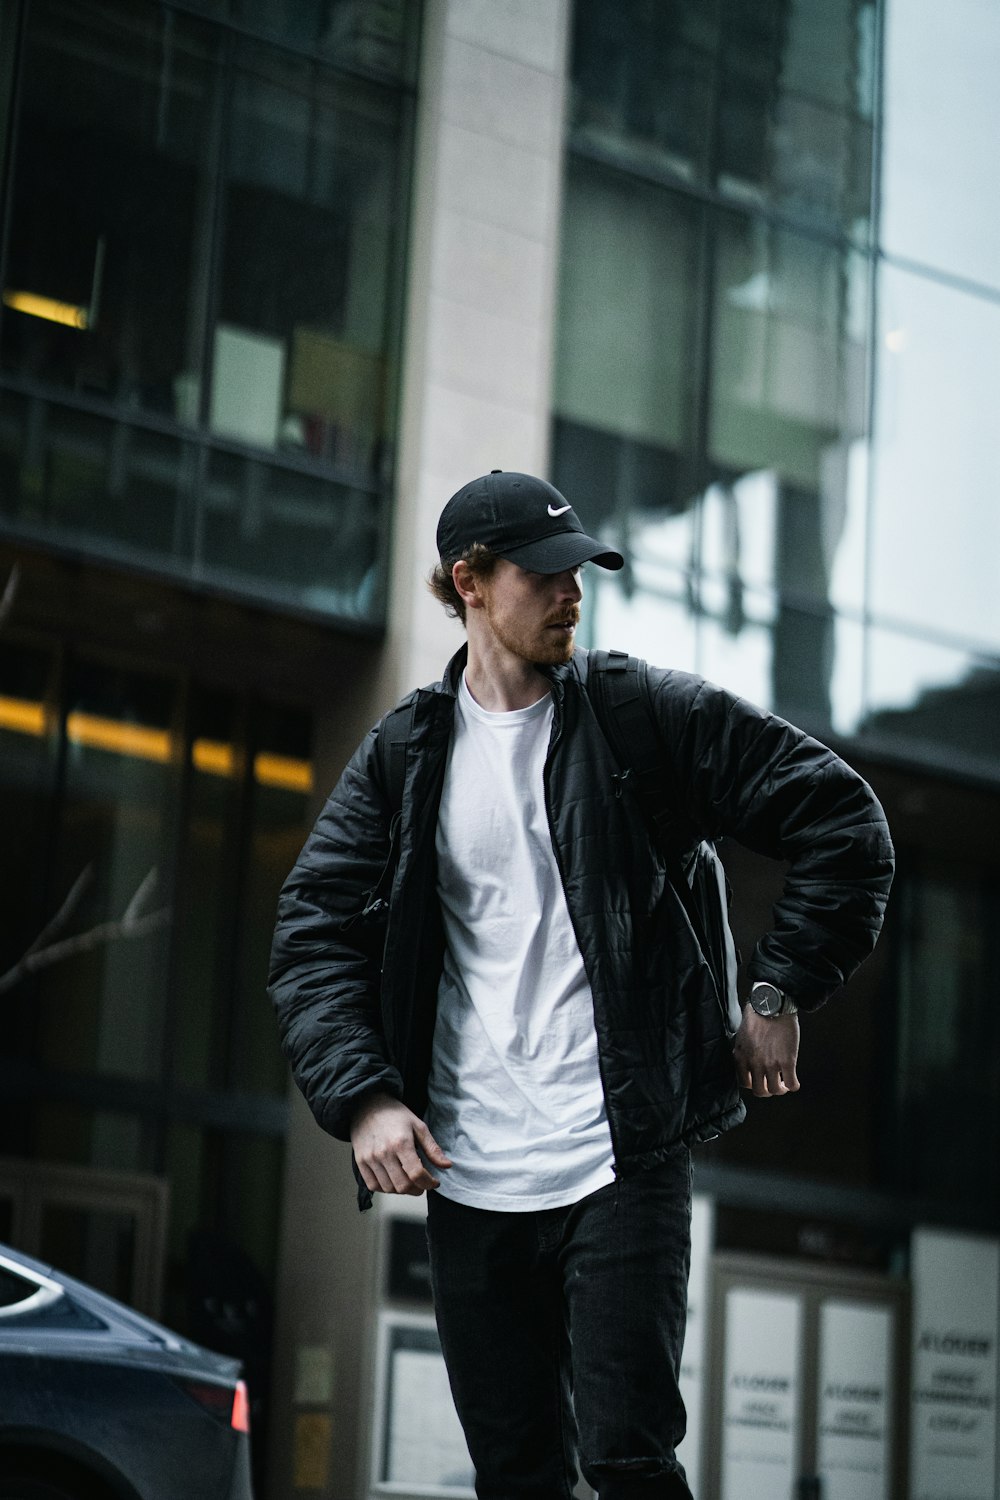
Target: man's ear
(468, 584)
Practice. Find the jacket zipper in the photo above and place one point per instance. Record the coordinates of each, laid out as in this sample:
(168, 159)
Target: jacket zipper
(376, 900)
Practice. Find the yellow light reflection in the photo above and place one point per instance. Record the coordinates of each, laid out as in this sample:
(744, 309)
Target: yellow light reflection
(53, 311)
(283, 771)
(23, 716)
(121, 739)
(214, 757)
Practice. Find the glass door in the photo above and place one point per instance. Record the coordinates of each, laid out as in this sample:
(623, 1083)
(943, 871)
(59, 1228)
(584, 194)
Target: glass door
(807, 1383)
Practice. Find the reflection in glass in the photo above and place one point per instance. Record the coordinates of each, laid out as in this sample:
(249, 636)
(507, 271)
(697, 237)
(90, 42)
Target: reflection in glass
(198, 799)
(206, 890)
(95, 1245)
(278, 814)
(298, 349)
(112, 95)
(304, 537)
(947, 967)
(368, 35)
(936, 462)
(738, 653)
(651, 618)
(27, 776)
(625, 382)
(103, 484)
(939, 165)
(770, 104)
(738, 525)
(789, 355)
(203, 252)
(102, 1011)
(642, 74)
(183, 1164)
(53, 1130)
(847, 679)
(712, 425)
(929, 695)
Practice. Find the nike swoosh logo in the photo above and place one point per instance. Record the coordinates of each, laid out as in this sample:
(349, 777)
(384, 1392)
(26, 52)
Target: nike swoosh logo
(559, 510)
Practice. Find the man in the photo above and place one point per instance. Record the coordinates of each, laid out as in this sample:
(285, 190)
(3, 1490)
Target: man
(494, 991)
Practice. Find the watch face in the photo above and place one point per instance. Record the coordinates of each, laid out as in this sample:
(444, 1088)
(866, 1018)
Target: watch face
(766, 999)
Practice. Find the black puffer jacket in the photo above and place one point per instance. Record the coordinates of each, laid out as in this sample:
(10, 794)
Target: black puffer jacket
(355, 994)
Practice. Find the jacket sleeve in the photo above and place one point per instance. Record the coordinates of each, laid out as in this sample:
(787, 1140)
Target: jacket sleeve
(749, 775)
(327, 952)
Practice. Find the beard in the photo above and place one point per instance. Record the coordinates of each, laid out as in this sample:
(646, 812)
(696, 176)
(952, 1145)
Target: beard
(541, 645)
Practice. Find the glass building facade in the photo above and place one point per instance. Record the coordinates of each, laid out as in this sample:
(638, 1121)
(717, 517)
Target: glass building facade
(777, 364)
(776, 374)
(204, 209)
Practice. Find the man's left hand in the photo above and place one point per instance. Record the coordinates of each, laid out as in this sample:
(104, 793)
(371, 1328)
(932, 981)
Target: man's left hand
(766, 1050)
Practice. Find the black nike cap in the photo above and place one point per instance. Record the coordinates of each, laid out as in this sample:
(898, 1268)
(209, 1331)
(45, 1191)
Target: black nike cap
(523, 519)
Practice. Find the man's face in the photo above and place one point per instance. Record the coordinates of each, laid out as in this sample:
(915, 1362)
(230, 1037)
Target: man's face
(533, 615)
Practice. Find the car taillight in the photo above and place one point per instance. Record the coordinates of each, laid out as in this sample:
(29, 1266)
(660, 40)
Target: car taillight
(226, 1403)
(240, 1417)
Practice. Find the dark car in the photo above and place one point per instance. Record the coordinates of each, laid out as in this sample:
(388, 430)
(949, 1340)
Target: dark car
(98, 1402)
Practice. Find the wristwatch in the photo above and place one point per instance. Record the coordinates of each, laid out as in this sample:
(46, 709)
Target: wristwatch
(767, 1000)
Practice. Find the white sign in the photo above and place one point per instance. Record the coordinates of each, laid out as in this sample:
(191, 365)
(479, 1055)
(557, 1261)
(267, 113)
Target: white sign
(426, 1442)
(760, 1436)
(855, 1382)
(418, 1446)
(956, 1288)
(692, 1379)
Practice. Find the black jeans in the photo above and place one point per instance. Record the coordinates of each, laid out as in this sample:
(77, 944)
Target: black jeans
(562, 1332)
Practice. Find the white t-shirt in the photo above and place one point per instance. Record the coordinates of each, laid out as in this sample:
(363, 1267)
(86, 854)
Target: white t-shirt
(515, 1089)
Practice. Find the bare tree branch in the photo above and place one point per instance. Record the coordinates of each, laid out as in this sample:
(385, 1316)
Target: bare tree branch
(134, 922)
(49, 947)
(64, 915)
(9, 593)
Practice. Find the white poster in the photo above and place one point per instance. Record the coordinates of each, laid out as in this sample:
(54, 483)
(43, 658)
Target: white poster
(760, 1434)
(692, 1380)
(956, 1287)
(418, 1443)
(426, 1442)
(855, 1384)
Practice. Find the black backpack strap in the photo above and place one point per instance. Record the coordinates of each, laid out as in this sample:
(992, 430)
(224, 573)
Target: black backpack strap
(616, 698)
(618, 690)
(394, 735)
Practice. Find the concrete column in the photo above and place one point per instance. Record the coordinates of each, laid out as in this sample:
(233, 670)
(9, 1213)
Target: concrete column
(481, 286)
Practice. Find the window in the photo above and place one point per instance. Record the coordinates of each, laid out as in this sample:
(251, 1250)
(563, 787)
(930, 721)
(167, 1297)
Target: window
(710, 388)
(14, 1289)
(767, 103)
(784, 424)
(201, 292)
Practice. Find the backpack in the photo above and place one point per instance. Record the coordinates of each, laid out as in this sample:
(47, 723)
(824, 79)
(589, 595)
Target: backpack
(618, 690)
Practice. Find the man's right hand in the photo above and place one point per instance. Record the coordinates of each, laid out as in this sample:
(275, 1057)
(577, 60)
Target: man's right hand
(385, 1136)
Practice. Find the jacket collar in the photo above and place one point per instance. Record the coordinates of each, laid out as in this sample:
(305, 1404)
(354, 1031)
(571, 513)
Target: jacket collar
(453, 672)
(558, 676)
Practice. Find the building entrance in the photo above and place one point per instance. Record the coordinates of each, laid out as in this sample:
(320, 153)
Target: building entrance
(807, 1383)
